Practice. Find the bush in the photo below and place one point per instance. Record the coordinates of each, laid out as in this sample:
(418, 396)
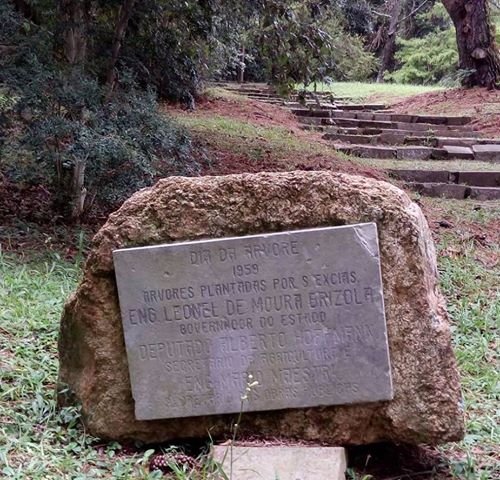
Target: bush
(64, 133)
(299, 46)
(431, 57)
(426, 60)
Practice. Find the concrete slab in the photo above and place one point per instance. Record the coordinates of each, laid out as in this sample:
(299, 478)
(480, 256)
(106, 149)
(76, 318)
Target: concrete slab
(479, 179)
(441, 190)
(484, 193)
(460, 153)
(421, 176)
(414, 153)
(459, 120)
(364, 116)
(365, 151)
(490, 153)
(455, 141)
(432, 119)
(357, 139)
(306, 112)
(282, 462)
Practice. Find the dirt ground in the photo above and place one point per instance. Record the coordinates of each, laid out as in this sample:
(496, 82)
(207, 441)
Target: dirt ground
(483, 105)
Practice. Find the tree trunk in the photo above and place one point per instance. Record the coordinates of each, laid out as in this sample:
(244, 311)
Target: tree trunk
(124, 15)
(390, 43)
(73, 20)
(241, 71)
(477, 49)
(78, 190)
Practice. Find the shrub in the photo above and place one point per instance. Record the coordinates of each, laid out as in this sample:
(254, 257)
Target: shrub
(64, 133)
(430, 57)
(426, 60)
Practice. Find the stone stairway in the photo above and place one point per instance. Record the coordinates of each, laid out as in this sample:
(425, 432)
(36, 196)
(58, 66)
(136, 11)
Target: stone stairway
(373, 131)
(451, 184)
(267, 94)
(377, 133)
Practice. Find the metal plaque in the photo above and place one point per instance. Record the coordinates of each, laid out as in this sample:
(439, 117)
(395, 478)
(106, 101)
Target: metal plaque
(302, 312)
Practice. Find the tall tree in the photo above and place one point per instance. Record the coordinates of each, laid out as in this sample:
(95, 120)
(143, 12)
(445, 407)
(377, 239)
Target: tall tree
(124, 14)
(477, 49)
(394, 12)
(73, 23)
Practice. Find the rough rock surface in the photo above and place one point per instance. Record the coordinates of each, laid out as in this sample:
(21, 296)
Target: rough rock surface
(427, 407)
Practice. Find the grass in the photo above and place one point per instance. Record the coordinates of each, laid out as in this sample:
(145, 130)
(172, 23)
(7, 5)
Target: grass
(470, 281)
(359, 90)
(39, 442)
(224, 94)
(250, 139)
(36, 440)
(449, 165)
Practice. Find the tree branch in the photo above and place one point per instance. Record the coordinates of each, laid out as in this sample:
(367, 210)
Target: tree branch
(422, 5)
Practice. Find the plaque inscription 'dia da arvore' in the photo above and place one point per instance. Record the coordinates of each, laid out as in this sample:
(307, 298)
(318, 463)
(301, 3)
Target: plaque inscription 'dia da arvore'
(302, 311)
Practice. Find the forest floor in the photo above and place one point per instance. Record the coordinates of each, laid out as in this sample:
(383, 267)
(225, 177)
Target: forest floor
(41, 263)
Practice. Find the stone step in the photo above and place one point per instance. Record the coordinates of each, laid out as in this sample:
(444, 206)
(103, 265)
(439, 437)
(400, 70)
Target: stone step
(457, 192)
(271, 96)
(389, 132)
(387, 152)
(320, 117)
(269, 101)
(395, 117)
(362, 106)
(250, 92)
(476, 179)
(406, 153)
(304, 113)
(312, 127)
(311, 104)
(487, 152)
(355, 138)
(401, 138)
(415, 127)
(453, 141)
(459, 153)
(339, 110)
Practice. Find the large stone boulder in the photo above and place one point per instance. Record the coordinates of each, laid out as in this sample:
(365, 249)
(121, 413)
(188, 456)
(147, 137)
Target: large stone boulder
(427, 405)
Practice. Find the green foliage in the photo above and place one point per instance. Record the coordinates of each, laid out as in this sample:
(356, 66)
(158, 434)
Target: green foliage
(166, 46)
(426, 60)
(65, 123)
(431, 57)
(304, 42)
(37, 441)
(351, 61)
